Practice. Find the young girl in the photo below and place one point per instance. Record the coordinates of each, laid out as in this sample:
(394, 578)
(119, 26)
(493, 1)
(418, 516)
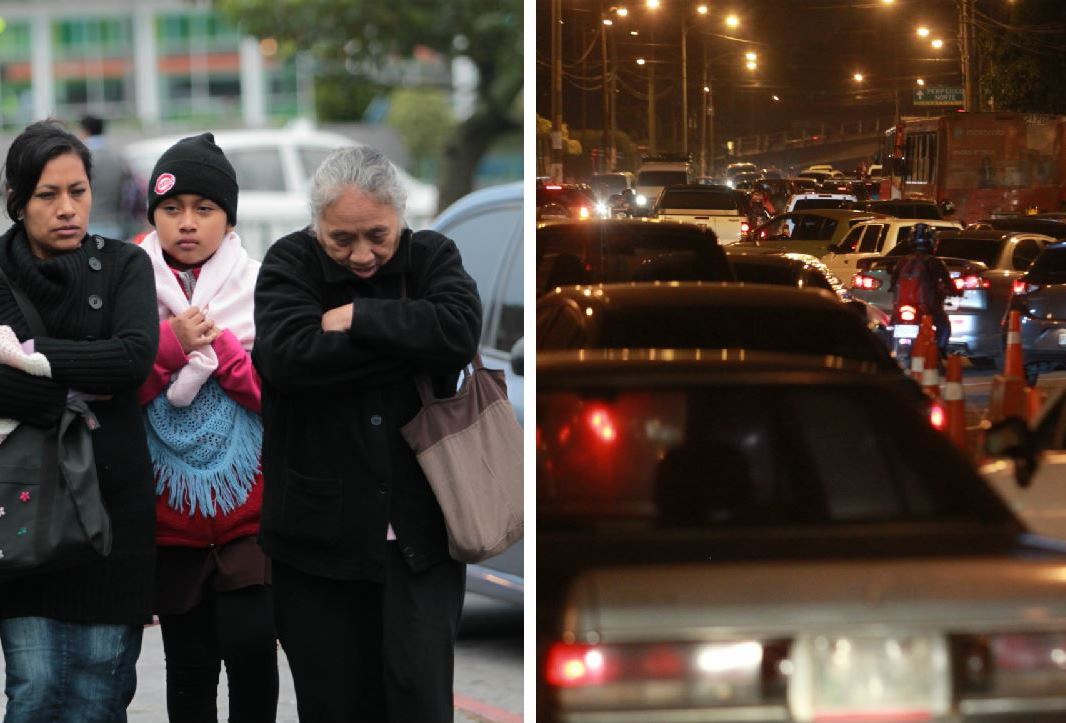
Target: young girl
(202, 405)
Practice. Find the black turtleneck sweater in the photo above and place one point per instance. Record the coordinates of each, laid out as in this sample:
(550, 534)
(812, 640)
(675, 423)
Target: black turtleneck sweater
(102, 337)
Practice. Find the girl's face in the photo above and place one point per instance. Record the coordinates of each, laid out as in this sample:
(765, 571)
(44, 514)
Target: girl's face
(190, 229)
(57, 215)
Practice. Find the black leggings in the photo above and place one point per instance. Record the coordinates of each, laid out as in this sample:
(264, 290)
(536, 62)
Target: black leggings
(236, 627)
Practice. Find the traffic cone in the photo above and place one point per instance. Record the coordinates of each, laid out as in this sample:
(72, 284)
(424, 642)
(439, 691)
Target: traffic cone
(955, 403)
(931, 368)
(1008, 395)
(925, 334)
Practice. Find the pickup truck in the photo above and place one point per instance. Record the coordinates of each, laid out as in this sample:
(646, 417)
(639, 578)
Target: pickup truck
(718, 208)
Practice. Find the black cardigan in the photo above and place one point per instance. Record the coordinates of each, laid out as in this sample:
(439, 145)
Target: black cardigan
(336, 470)
(118, 589)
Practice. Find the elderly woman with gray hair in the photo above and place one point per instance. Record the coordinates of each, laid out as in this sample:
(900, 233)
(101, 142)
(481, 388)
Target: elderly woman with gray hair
(347, 313)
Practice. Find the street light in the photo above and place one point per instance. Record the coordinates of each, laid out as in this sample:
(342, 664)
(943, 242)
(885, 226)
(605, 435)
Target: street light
(621, 12)
(733, 22)
(641, 61)
(858, 77)
(923, 32)
(653, 4)
(920, 81)
(702, 10)
(938, 43)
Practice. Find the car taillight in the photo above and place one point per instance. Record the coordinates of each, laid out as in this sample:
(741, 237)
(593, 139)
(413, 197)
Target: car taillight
(745, 227)
(971, 282)
(907, 313)
(1022, 667)
(1020, 287)
(937, 417)
(602, 425)
(864, 282)
(572, 666)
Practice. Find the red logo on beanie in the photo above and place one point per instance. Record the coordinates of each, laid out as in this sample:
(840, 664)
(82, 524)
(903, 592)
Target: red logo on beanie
(164, 183)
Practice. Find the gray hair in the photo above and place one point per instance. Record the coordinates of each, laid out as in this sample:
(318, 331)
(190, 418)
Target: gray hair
(359, 167)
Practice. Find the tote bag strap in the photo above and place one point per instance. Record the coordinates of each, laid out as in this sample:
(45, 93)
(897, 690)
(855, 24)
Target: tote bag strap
(425, 389)
(29, 311)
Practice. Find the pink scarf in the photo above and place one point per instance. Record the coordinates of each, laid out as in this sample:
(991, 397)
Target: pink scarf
(224, 292)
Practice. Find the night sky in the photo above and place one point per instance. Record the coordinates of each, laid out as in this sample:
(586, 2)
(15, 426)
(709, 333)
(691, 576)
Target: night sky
(807, 53)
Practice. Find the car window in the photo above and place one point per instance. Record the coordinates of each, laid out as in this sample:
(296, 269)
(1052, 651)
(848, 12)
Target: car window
(809, 228)
(871, 239)
(1050, 266)
(701, 457)
(509, 329)
(483, 238)
(851, 241)
(258, 169)
(985, 251)
(903, 233)
(311, 158)
(1025, 251)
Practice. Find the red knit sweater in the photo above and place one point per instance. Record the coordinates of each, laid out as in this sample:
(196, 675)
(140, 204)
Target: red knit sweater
(236, 375)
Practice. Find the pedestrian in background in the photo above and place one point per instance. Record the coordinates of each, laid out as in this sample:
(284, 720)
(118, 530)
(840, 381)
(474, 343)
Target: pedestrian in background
(347, 313)
(202, 406)
(71, 638)
(112, 182)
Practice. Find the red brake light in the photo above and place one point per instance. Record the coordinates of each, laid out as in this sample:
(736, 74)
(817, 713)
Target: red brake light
(745, 227)
(907, 313)
(602, 425)
(1020, 288)
(937, 417)
(970, 282)
(867, 283)
(572, 666)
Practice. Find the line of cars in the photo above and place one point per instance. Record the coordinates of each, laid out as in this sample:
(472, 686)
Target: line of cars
(744, 512)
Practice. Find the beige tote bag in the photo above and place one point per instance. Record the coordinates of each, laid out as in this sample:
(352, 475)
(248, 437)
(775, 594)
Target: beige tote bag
(470, 448)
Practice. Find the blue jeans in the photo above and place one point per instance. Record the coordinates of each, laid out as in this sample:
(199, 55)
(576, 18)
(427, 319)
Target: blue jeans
(67, 672)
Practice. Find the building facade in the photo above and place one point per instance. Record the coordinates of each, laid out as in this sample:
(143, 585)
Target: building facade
(152, 62)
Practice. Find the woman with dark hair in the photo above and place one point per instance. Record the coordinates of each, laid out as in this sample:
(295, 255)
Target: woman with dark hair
(71, 638)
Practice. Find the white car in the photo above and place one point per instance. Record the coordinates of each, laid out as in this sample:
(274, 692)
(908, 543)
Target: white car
(274, 169)
(873, 238)
(486, 225)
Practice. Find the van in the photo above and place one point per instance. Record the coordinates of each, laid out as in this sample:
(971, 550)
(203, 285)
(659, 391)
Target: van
(655, 175)
(486, 225)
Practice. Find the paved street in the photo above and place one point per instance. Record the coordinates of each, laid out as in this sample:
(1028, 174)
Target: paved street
(488, 675)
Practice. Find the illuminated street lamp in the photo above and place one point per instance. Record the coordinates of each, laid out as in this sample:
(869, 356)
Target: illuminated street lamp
(920, 81)
(702, 10)
(608, 21)
(641, 61)
(732, 21)
(938, 43)
(653, 4)
(923, 32)
(858, 77)
(621, 12)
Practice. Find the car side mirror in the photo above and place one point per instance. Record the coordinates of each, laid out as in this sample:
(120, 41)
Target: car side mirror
(518, 358)
(1012, 438)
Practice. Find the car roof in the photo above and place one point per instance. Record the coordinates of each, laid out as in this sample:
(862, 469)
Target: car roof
(937, 222)
(834, 213)
(990, 234)
(485, 197)
(718, 293)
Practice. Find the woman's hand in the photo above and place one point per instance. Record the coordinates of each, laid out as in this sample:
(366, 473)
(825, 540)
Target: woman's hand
(338, 319)
(193, 329)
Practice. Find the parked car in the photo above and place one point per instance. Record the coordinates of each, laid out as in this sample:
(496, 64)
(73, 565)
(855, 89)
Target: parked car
(703, 315)
(808, 232)
(873, 238)
(705, 207)
(723, 538)
(570, 254)
(486, 225)
(274, 169)
(1040, 295)
(984, 266)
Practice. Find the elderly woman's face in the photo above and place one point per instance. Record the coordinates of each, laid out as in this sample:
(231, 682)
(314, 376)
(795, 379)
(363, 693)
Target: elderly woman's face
(358, 232)
(57, 215)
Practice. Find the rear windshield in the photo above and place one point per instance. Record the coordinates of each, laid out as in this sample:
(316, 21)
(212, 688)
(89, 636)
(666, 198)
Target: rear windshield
(806, 204)
(906, 210)
(836, 332)
(661, 178)
(986, 251)
(1050, 265)
(699, 457)
(703, 200)
(568, 255)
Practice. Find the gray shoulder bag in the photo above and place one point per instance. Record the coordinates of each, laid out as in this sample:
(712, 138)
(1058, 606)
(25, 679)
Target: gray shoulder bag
(51, 512)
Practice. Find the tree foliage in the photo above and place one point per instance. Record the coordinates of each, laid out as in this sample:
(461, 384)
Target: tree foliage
(423, 117)
(372, 34)
(1021, 49)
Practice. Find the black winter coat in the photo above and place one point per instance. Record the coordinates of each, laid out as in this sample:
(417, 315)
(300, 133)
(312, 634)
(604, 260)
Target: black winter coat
(336, 469)
(113, 361)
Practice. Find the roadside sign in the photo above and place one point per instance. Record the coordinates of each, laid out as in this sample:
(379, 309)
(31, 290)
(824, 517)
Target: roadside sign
(938, 96)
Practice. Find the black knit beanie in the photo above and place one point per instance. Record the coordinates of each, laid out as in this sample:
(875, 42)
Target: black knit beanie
(194, 165)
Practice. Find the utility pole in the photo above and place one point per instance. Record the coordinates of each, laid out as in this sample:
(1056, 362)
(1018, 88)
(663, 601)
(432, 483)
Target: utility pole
(651, 94)
(608, 137)
(968, 50)
(555, 169)
(703, 114)
(684, 80)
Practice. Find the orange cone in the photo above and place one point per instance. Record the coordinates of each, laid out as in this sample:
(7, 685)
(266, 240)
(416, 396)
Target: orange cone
(931, 368)
(1008, 396)
(925, 333)
(1013, 364)
(955, 403)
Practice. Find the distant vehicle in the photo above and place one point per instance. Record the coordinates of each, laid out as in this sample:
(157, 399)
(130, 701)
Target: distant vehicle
(742, 167)
(605, 185)
(874, 172)
(565, 200)
(486, 225)
(274, 169)
(809, 232)
(706, 207)
(816, 176)
(987, 163)
(984, 265)
(745, 179)
(821, 167)
(569, 254)
(874, 238)
(657, 172)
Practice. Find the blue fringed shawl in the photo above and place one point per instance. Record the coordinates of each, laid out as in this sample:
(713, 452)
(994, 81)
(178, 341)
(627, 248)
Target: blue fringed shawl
(206, 454)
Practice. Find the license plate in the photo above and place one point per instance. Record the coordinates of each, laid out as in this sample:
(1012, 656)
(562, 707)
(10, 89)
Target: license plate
(905, 331)
(895, 676)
